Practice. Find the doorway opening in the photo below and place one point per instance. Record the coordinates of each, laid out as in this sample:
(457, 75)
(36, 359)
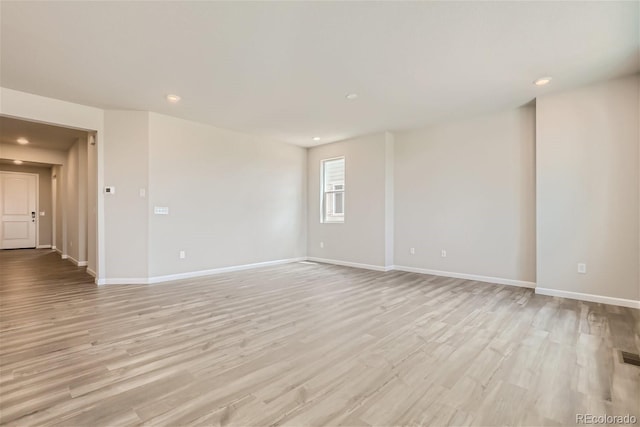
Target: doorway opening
(48, 190)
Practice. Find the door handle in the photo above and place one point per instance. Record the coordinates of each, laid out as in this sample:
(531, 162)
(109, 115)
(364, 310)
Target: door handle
(33, 217)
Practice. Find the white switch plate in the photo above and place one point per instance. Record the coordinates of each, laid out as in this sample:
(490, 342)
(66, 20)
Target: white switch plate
(42, 213)
(582, 268)
(143, 192)
(443, 253)
(412, 251)
(321, 245)
(161, 210)
(183, 254)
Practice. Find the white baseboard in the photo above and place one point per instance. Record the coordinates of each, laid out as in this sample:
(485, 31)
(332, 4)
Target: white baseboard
(44, 247)
(91, 272)
(54, 248)
(188, 275)
(75, 261)
(477, 278)
(191, 274)
(495, 280)
(350, 264)
(63, 256)
(123, 281)
(589, 297)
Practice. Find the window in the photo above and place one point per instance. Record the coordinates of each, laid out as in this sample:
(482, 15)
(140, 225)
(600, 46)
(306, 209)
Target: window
(332, 201)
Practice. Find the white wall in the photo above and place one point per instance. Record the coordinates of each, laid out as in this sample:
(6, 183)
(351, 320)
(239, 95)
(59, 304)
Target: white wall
(233, 199)
(389, 208)
(72, 202)
(92, 207)
(588, 189)
(58, 201)
(361, 238)
(32, 154)
(468, 187)
(126, 216)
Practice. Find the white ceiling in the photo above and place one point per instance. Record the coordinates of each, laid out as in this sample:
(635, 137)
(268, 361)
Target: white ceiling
(40, 135)
(282, 69)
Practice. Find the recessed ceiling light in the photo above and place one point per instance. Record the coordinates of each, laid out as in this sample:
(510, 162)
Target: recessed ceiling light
(351, 96)
(22, 140)
(17, 162)
(542, 81)
(173, 98)
(316, 138)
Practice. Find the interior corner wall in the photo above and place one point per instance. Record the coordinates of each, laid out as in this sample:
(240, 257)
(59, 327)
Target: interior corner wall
(92, 207)
(233, 199)
(588, 190)
(82, 199)
(361, 238)
(61, 215)
(126, 213)
(45, 199)
(389, 207)
(468, 188)
(56, 177)
(72, 202)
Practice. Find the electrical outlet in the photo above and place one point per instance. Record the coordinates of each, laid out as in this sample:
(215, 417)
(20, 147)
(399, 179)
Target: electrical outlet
(183, 254)
(321, 245)
(443, 253)
(582, 268)
(412, 251)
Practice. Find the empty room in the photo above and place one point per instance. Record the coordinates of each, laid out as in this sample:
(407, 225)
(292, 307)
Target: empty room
(318, 213)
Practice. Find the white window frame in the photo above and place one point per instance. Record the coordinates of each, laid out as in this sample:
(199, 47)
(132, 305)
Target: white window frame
(337, 219)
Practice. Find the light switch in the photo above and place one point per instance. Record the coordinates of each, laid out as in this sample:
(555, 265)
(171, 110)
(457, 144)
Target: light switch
(42, 213)
(143, 192)
(161, 210)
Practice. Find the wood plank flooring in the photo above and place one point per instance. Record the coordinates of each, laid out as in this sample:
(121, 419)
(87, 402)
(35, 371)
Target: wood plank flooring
(303, 345)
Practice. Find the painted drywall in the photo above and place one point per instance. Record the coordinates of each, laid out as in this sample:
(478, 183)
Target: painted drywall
(92, 206)
(32, 154)
(126, 218)
(45, 199)
(76, 201)
(468, 187)
(72, 202)
(59, 224)
(233, 199)
(361, 238)
(588, 189)
(82, 199)
(389, 203)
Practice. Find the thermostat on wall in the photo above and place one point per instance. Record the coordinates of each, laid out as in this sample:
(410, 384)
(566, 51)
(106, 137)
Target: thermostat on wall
(109, 190)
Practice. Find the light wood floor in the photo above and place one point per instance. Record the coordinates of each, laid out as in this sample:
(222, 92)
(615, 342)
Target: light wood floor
(303, 344)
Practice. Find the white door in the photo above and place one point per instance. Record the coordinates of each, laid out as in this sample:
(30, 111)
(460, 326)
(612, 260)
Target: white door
(18, 210)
